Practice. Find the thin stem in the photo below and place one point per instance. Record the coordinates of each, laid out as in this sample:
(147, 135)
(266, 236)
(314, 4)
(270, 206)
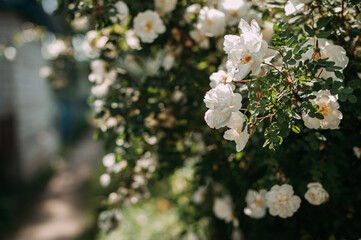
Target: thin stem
(268, 116)
(247, 80)
(284, 75)
(279, 50)
(269, 86)
(342, 10)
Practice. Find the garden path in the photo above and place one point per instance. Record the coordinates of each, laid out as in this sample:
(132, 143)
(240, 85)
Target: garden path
(60, 213)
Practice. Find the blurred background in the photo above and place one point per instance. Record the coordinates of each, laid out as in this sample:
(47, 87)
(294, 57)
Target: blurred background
(47, 152)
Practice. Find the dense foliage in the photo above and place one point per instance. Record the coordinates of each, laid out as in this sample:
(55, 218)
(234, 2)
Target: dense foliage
(287, 87)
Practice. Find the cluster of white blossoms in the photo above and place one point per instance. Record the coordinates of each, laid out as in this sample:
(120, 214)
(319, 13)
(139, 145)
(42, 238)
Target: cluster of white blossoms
(213, 19)
(281, 201)
(328, 107)
(102, 78)
(245, 54)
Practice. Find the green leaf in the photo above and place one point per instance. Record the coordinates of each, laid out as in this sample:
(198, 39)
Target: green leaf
(342, 97)
(292, 62)
(309, 30)
(352, 99)
(291, 41)
(347, 90)
(323, 22)
(339, 75)
(323, 34)
(288, 56)
(296, 129)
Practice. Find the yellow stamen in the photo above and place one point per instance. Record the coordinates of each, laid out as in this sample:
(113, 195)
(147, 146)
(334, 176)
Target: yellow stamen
(149, 26)
(324, 110)
(246, 60)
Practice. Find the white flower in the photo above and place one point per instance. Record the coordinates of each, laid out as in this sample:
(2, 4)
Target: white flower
(98, 71)
(246, 52)
(56, 48)
(94, 42)
(109, 160)
(80, 23)
(122, 13)
(168, 61)
(328, 107)
(198, 37)
(294, 6)
(357, 151)
(148, 25)
(199, 194)
(316, 194)
(220, 77)
(281, 201)
(256, 203)
(165, 6)
(132, 40)
(191, 12)
(221, 101)
(333, 52)
(234, 10)
(105, 179)
(222, 208)
(236, 133)
(211, 22)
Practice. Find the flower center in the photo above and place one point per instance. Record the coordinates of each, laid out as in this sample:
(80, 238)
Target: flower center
(149, 26)
(258, 202)
(246, 60)
(324, 110)
(239, 131)
(233, 13)
(225, 78)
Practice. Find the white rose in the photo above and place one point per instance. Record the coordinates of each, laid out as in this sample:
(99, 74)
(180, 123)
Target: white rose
(316, 194)
(281, 201)
(198, 37)
(256, 203)
(237, 133)
(165, 6)
(246, 52)
(234, 10)
(221, 101)
(211, 22)
(328, 107)
(148, 25)
(220, 77)
(132, 40)
(191, 11)
(222, 208)
(121, 14)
